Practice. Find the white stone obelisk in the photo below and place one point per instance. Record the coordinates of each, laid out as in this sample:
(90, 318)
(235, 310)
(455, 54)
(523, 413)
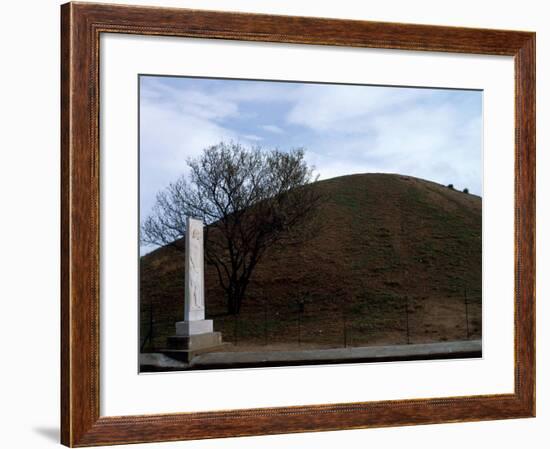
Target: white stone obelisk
(194, 322)
(194, 335)
(194, 271)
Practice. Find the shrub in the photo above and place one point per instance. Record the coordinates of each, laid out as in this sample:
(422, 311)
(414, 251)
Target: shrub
(466, 190)
(450, 186)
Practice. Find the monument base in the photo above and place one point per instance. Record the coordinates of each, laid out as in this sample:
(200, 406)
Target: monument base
(184, 348)
(196, 327)
(193, 338)
(195, 342)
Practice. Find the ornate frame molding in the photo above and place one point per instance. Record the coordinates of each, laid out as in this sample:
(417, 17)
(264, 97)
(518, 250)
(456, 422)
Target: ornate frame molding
(81, 26)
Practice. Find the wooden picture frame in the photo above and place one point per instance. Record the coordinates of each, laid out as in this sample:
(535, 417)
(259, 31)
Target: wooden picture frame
(81, 26)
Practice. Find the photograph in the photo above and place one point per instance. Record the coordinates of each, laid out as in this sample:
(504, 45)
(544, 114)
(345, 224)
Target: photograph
(287, 222)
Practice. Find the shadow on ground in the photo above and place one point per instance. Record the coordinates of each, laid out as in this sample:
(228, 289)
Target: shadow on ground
(49, 433)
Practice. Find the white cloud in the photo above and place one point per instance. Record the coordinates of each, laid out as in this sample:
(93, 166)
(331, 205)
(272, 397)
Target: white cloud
(168, 137)
(188, 101)
(252, 137)
(338, 108)
(258, 91)
(273, 129)
(411, 131)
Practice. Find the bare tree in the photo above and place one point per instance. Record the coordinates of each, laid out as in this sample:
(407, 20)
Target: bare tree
(250, 199)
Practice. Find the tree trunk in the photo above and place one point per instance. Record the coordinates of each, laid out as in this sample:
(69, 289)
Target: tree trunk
(231, 303)
(235, 297)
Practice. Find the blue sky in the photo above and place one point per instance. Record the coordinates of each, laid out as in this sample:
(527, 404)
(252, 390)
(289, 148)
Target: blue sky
(434, 134)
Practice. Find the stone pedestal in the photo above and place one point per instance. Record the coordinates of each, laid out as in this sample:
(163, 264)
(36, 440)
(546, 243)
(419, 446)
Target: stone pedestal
(193, 338)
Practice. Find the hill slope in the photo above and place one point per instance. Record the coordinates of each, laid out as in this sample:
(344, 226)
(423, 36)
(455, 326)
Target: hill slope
(395, 259)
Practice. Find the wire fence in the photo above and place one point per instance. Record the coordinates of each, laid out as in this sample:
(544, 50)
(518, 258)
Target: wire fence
(395, 320)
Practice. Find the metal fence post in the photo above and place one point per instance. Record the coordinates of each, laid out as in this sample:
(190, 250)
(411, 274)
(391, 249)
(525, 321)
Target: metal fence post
(407, 316)
(345, 326)
(265, 322)
(467, 315)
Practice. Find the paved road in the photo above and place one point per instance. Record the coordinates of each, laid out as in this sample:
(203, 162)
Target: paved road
(216, 360)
